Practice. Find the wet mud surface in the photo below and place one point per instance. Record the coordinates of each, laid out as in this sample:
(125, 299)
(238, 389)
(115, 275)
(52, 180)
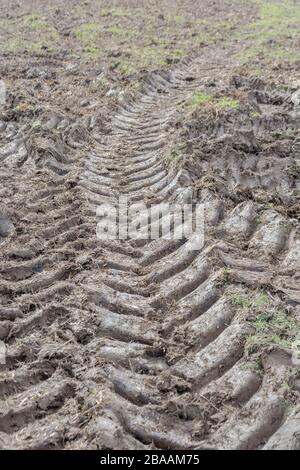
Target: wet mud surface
(128, 344)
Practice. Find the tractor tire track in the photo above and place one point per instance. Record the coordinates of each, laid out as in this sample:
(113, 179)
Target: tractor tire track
(130, 344)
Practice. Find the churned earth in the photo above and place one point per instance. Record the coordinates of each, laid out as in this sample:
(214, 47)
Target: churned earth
(147, 344)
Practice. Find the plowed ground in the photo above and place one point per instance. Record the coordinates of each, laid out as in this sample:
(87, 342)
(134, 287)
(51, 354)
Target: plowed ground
(133, 344)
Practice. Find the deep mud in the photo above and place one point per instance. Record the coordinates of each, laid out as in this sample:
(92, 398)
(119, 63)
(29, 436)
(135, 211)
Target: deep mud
(146, 344)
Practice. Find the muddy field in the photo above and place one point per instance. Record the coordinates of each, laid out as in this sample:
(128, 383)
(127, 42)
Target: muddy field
(145, 344)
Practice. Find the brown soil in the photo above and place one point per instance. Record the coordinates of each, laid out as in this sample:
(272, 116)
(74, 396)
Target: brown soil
(146, 344)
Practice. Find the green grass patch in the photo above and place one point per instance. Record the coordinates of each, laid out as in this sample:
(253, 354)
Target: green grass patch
(35, 22)
(177, 53)
(88, 34)
(116, 29)
(34, 34)
(260, 299)
(228, 103)
(276, 20)
(176, 18)
(174, 156)
(198, 99)
(114, 12)
(32, 17)
(273, 32)
(273, 327)
(92, 50)
(125, 68)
